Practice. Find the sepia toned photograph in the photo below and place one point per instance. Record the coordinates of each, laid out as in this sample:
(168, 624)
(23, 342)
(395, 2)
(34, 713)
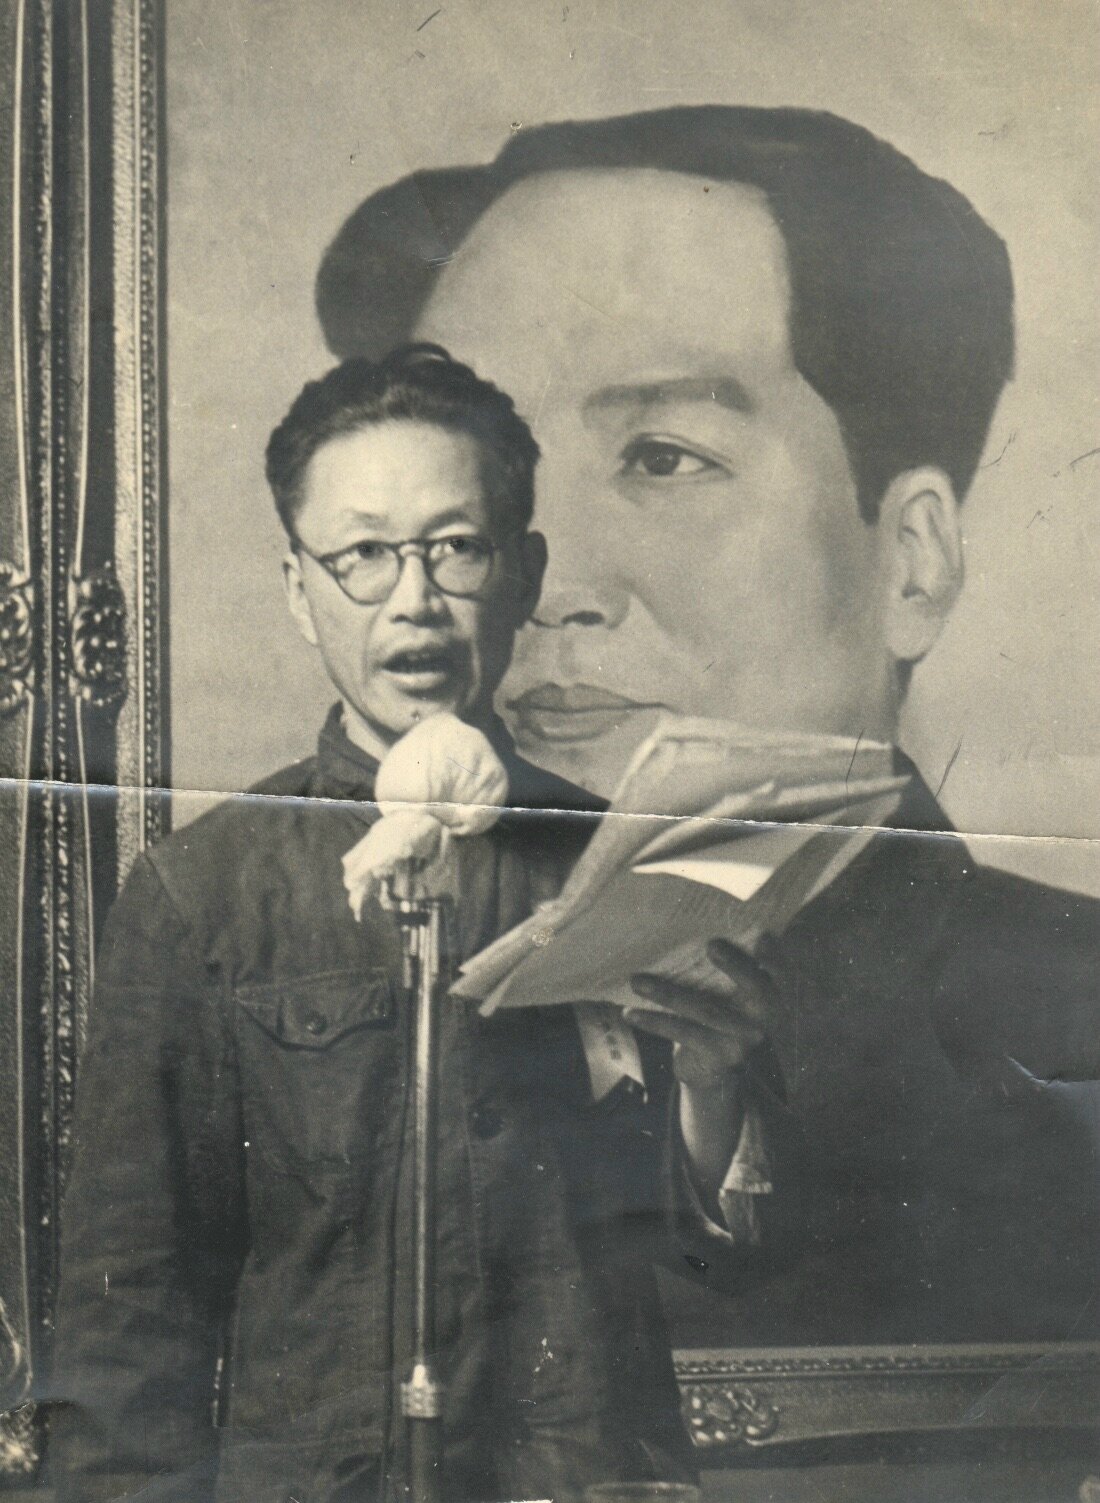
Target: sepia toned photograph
(549, 751)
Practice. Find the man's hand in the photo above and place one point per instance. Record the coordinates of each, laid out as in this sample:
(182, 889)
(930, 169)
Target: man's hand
(712, 1034)
(713, 1031)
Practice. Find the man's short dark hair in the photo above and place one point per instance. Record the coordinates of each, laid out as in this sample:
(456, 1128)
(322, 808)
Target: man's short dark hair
(901, 313)
(413, 383)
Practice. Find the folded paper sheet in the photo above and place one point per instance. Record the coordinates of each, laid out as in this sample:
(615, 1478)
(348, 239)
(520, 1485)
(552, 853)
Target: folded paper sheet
(715, 832)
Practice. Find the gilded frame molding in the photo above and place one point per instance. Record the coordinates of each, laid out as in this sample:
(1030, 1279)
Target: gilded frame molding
(84, 723)
(740, 1402)
(83, 710)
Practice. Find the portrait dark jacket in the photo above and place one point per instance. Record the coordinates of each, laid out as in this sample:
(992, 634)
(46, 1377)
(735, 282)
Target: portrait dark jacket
(931, 1099)
(240, 1203)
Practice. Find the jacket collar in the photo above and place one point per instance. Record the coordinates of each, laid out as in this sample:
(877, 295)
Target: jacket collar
(918, 809)
(342, 770)
(345, 772)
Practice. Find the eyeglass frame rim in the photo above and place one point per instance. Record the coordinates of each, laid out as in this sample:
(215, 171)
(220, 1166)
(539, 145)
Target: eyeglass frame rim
(326, 560)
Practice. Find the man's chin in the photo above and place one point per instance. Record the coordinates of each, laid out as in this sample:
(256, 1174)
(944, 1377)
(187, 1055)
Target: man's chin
(413, 711)
(400, 711)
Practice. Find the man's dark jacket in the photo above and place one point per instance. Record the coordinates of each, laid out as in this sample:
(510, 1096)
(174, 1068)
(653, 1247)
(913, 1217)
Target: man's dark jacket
(240, 1198)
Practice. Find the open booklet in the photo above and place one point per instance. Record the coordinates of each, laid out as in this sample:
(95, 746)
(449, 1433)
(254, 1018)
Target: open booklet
(715, 831)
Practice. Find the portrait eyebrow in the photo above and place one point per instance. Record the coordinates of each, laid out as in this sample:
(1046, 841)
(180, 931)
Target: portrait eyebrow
(724, 390)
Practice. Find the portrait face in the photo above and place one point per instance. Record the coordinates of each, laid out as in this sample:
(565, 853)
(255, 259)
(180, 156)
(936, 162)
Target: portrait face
(419, 650)
(706, 550)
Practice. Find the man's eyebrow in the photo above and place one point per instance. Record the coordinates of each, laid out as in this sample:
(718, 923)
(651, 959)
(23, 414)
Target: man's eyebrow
(363, 519)
(724, 390)
(448, 518)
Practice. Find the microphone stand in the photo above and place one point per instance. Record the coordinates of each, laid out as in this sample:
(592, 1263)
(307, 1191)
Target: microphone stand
(421, 920)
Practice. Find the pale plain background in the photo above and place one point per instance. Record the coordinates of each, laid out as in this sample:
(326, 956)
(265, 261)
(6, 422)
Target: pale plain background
(284, 114)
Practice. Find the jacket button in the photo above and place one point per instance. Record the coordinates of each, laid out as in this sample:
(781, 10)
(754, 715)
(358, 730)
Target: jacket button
(316, 1023)
(487, 1122)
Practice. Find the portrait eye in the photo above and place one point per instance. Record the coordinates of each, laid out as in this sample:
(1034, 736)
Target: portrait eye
(665, 459)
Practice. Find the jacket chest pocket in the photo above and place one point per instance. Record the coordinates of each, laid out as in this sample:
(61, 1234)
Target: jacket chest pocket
(322, 1063)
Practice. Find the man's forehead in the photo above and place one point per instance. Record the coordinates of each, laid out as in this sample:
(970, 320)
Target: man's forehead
(613, 258)
(379, 473)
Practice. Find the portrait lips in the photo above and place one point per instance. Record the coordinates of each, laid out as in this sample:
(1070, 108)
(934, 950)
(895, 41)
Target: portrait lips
(577, 712)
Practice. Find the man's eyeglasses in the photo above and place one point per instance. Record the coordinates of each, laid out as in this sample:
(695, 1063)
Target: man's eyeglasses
(368, 572)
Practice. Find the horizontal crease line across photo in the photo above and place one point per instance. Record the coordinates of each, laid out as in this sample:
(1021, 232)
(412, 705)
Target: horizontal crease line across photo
(216, 795)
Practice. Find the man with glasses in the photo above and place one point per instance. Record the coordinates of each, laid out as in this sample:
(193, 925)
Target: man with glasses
(241, 1191)
(407, 627)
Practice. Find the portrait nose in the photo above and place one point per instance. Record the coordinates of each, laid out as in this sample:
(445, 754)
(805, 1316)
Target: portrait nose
(575, 604)
(586, 584)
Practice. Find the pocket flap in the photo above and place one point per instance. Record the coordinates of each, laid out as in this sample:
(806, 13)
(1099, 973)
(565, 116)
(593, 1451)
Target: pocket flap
(313, 1012)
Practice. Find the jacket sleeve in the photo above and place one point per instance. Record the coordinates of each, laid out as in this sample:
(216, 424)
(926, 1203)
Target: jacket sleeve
(152, 1229)
(760, 1199)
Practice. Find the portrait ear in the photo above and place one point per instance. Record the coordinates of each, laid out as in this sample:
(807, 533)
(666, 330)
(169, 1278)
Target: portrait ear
(296, 598)
(919, 523)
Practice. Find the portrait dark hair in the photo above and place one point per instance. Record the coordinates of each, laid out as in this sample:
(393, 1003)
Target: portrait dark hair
(412, 383)
(901, 314)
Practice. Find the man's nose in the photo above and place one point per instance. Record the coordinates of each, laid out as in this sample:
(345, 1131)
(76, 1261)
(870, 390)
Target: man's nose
(414, 597)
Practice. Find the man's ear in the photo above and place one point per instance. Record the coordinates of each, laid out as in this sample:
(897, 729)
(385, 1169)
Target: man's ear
(919, 524)
(532, 566)
(296, 598)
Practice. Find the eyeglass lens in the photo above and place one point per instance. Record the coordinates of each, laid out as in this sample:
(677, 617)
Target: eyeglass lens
(455, 565)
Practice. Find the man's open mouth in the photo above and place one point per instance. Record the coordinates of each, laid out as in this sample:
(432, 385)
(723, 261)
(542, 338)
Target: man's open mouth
(574, 712)
(422, 668)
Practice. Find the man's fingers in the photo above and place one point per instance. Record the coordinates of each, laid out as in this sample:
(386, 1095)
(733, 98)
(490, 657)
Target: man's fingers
(728, 1000)
(714, 1027)
(702, 1058)
(742, 968)
(736, 1037)
(718, 1013)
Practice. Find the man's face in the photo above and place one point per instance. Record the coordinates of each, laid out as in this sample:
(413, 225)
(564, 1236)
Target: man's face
(706, 551)
(418, 651)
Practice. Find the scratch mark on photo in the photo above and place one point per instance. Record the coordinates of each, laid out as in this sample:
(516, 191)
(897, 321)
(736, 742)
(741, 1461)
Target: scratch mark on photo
(1001, 455)
(1088, 454)
(950, 764)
